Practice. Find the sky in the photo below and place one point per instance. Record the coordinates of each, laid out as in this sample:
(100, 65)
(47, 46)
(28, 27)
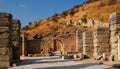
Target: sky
(34, 10)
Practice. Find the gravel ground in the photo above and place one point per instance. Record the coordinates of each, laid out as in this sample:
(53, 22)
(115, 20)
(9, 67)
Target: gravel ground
(57, 63)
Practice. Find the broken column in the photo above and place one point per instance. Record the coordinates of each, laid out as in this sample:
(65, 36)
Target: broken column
(101, 42)
(115, 33)
(16, 40)
(5, 40)
(88, 43)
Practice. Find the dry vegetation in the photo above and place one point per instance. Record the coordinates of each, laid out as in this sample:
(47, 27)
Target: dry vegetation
(93, 9)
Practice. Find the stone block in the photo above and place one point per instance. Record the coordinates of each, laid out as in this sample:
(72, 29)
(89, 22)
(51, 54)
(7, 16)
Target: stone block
(4, 50)
(87, 38)
(4, 42)
(5, 15)
(4, 64)
(4, 22)
(115, 33)
(114, 46)
(114, 39)
(4, 29)
(88, 50)
(4, 58)
(16, 23)
(115, 27)
(101, 40)
(15, 33)
(87, 44)
(114, 52)
(80, 56)
(115, 16)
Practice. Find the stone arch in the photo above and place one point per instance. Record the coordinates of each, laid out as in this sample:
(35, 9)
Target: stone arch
(56, 45)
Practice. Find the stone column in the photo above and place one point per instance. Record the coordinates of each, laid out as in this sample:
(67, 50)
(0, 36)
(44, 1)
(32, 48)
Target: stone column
(79, 41)
(115, 32)
(16, 40)
(5, 40)
(24, 52)
(88, 43)
(101, 42)
(76, 40)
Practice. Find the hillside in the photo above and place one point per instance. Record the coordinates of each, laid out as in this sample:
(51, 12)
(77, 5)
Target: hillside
(67, 21)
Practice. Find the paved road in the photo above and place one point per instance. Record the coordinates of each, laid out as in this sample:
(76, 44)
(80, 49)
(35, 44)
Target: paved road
(57, 63)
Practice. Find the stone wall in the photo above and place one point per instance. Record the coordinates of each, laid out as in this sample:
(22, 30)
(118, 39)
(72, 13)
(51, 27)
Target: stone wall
(5, 40)
(115, 33)
(88, 43)
(9, 40)
(33, 46)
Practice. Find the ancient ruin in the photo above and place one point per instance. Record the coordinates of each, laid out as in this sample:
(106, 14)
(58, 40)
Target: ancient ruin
(9, 40)
(100, 43)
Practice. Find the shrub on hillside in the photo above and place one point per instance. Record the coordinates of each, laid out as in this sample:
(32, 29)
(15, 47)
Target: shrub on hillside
(84, 20)
(64, 14)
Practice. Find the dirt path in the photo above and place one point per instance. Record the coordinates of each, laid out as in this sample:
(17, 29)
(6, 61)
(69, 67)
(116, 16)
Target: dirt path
(57, 63)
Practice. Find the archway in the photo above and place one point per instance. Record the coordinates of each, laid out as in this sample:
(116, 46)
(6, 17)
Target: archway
(56, 45)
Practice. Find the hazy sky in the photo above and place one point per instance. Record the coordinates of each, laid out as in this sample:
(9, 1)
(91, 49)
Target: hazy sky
(34, 10)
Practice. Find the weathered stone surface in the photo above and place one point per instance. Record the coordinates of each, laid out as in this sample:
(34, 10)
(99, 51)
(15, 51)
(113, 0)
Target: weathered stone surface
(5, 15)
(88, 50)
(4, 22)
(15, 33)
(4, 51)
(16, 23)
(4, 58)
(115, 15)
(4, 64)
(5, 42)
(114, 39)
(115, 27)
(101, 40)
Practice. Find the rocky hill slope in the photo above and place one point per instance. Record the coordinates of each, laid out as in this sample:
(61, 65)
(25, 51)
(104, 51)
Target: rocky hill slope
(80, 16)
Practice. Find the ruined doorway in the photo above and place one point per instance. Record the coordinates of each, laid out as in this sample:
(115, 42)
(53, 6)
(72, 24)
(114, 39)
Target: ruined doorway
(56, 46)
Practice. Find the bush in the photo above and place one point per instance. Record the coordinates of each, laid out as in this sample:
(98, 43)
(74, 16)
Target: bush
(84, 20)
(65, 13)
(72, 13)
(71, 23)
